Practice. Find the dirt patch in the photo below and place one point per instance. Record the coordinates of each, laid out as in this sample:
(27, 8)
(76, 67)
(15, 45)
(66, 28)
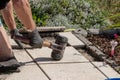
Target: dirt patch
(104, 44)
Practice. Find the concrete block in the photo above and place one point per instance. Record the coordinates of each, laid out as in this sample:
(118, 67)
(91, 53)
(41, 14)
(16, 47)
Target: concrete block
(81, 31)
(23, 57)
(44, 55)
(72, 40)
(95, 52)
(83, 39)
(107, 70)
(28, 73)
(3, 76)
(16, 46)
(12, 42)
(76, 71)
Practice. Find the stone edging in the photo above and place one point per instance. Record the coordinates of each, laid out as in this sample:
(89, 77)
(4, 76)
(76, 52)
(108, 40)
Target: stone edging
(93, 50)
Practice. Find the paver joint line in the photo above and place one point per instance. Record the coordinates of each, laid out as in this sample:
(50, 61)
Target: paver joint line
(62, 63)
(37, 64)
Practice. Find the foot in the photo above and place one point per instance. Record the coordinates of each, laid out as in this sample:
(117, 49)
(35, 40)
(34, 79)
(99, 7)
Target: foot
(35, 39)
(9, 65)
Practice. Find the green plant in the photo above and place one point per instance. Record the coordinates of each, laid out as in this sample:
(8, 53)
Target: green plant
(69, 13)
(116, 21)
(112, 11)
(39, 15)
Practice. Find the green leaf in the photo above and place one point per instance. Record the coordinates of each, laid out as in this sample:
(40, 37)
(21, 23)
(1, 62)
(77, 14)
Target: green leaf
(117, 25)
(114, 16)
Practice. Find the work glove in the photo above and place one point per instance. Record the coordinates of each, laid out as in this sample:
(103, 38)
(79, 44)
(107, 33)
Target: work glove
(33, 38)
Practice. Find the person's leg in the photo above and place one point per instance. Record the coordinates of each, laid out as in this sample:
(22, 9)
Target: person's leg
(8, 16)
(23, 11)
(7, 60)
(5, 47)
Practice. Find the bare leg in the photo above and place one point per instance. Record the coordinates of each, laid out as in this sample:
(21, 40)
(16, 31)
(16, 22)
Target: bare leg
(5, 48)
(23, 11)
(8, 16)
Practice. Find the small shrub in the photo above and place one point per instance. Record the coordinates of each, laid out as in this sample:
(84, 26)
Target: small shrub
(69, 13)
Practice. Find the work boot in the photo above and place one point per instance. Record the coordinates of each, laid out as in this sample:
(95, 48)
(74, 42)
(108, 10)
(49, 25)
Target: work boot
(35, 39)
(9, 65)
(58, 50)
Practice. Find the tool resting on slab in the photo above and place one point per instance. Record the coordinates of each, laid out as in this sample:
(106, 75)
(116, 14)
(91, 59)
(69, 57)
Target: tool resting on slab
(57, 47)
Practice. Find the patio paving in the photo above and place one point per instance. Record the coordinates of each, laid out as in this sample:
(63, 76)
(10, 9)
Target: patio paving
(73, 66)
(44, 55)
(31, 72)
(72, 40)
(73, 71)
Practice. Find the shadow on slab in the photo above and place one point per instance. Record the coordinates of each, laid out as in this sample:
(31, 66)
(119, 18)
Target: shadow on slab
(41, 59)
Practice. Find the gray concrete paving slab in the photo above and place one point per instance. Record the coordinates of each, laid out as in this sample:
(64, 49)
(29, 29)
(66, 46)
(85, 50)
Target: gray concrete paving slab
(3, 76)
(16, 46)
(23, 57)
(28, 73)
(72, 40)
(75, 71)
(12, 42)
(107, 70)
(44, 55)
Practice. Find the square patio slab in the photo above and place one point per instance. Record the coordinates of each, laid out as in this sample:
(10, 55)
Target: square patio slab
(12, 42)
(107, 70)
(72, 40)
(43, 55)
(76, 71)
(23, 57)
(28, 73)
(16, 46)
(3, 76)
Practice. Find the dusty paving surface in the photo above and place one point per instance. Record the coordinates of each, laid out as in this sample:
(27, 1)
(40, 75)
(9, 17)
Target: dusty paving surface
(73, 66)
